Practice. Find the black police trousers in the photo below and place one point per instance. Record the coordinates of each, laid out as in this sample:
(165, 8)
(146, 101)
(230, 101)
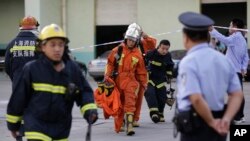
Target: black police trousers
(240, 113)
(204, 133)
(156, 97)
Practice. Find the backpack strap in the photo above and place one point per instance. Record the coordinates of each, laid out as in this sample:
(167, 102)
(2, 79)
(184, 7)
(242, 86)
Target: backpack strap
(118, 57)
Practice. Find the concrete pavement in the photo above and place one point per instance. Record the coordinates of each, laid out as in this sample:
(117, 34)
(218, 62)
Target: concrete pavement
(103, 130)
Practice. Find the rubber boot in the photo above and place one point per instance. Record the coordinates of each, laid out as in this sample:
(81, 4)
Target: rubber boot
(136, 123)
(129, 122)
(154, 115)
(161, 117)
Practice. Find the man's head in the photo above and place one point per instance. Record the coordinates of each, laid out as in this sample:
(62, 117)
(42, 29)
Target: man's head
(131, 37)
(28, 23)
(195, 28)
(53, 42)
(163, 47)
(235, 23)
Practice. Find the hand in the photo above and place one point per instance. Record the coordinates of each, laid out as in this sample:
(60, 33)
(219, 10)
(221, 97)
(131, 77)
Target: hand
(91, 116)
(224, 126)
(215, 124)
(144, 35)
(243, 73)
(210, 28)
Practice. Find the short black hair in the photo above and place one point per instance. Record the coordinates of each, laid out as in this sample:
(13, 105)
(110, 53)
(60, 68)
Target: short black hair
(165, 42)
(238, 23)
(197, 35)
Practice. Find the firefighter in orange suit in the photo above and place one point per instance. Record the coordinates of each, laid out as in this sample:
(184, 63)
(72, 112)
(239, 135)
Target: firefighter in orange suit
(126, 67)
(47, 90)
(145, 44)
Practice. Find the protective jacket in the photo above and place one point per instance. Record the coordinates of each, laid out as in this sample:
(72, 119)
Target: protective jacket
(158, 65)
(18, 52)
(44, 98)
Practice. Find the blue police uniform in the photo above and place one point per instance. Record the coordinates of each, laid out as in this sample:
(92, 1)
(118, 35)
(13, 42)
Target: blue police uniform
(158, 67)
(206, 72)
(44, 100)
(18, 52)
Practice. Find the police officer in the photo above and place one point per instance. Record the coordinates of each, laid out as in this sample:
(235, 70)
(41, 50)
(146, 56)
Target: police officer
(205, 78)
(45, 94)
(160, 65)
(22, 48)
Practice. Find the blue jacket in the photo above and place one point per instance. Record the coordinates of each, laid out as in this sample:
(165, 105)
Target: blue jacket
(18, 52)
(41, 98)
(158, 65)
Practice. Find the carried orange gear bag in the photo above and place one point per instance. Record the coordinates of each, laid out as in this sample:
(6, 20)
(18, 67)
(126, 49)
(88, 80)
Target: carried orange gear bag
(111, 100)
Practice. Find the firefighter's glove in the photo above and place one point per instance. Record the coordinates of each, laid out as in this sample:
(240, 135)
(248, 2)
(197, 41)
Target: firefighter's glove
(108, 88)
(100, 87)
(91, 116)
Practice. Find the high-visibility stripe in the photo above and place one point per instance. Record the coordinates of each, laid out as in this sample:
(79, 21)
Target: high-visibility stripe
(160, 85)
(58, 89)
(40, 136)
(88, 107)
(156, 63)
(17, 48)
(37, 136)
(169, 72)
(13, 119)
(153, 109)
(151, 82)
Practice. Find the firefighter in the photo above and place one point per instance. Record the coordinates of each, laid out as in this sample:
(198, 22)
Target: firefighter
(145, 44)
(126, 67)
(22, 48)
(160, 65)
(45, 94)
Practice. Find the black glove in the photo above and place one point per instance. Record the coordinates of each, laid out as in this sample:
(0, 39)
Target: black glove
(91, 116)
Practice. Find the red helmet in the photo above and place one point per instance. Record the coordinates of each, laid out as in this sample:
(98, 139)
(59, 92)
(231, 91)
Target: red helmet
(28, 22)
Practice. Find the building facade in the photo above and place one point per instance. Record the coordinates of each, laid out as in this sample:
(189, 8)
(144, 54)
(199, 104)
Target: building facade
(89, 23)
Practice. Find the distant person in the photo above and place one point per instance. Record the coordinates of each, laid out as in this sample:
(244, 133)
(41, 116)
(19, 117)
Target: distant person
(205, 78)
(47, 90)
(237, 53)
(22, 48)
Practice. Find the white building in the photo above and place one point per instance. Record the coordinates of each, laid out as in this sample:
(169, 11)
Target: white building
(90, 22)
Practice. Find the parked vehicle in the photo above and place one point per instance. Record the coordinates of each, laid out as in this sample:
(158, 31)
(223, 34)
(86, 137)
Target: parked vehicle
(96, 67)
(2, 57)
(177, 55)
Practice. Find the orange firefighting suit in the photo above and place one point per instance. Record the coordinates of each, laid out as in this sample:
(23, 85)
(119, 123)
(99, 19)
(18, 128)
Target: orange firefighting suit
(131, 75)
(148, 43)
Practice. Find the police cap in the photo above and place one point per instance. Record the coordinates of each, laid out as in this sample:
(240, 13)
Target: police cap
(195, 21)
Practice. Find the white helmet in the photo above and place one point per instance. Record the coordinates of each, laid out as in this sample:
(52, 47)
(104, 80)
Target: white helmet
(136, 26)
(132, 34)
